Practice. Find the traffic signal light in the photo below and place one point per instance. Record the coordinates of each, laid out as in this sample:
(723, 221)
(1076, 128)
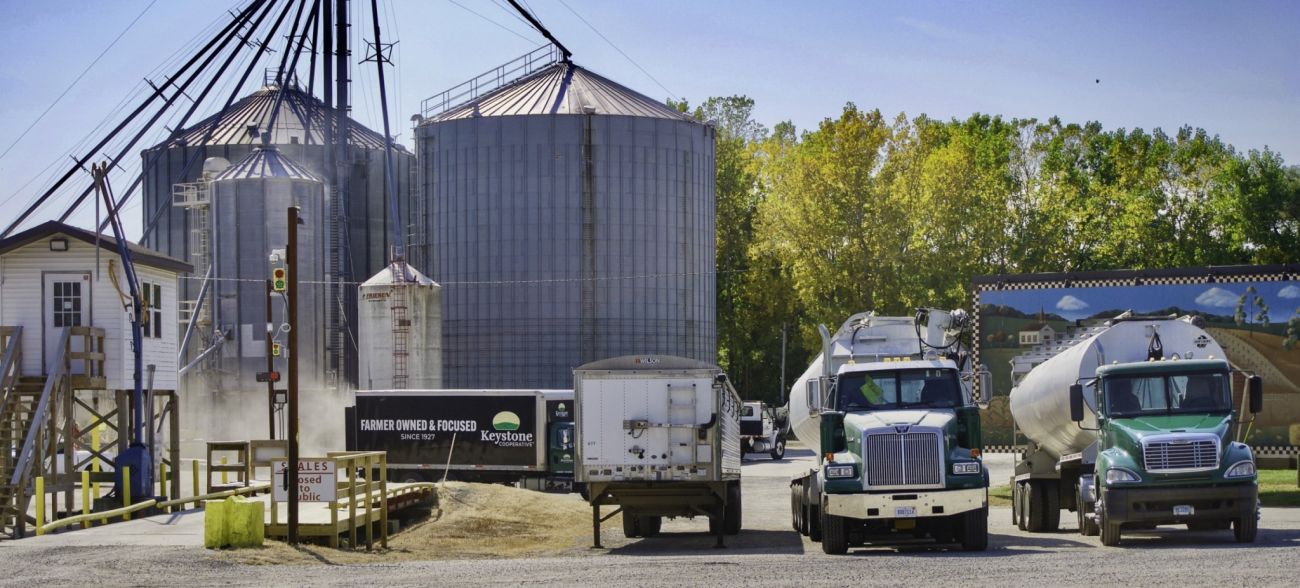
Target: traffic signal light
(275, 350)
(279, 279)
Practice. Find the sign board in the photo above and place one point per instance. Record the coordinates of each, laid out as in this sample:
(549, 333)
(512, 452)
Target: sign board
(268, 376)
(317, 480)
(472, 429)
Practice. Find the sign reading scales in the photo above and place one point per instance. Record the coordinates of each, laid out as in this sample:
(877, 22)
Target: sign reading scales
(317, 480)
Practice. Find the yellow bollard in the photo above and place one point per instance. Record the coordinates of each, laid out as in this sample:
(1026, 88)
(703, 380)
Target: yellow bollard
(224, 480)
(40, 504)
(126, 491)
(85, 497)
(195, 479)
(162, 481)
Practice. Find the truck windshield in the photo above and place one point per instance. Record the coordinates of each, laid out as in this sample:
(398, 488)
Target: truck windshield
(898, 389)
(1167, 394)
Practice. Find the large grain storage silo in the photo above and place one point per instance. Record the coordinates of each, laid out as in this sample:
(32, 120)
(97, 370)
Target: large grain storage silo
(298, 132)
(568, 219)
(400, 333)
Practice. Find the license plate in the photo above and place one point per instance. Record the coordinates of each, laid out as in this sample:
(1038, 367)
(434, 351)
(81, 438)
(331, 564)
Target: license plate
(905, 511)
(1184, 510)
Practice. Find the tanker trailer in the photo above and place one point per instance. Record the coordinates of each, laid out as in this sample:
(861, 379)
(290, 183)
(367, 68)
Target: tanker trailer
(1128, 426)
(888, 409)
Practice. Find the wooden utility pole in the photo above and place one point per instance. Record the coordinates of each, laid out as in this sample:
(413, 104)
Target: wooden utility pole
(270, 362)
(291, 264)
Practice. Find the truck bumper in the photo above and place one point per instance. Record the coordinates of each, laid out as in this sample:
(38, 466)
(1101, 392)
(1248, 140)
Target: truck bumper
(1156, 505)
(894, 505)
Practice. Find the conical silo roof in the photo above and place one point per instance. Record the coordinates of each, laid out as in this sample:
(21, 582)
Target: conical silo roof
(266, 162)
(563, 88)
(301, 119)
(389, 274)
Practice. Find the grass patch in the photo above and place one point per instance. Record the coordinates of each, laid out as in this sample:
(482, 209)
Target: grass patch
(1276, 488)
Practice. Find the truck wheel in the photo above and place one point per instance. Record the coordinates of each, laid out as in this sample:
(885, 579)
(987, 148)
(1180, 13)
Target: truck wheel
(1050, 494)
(778, 451)
(649, 526)
(1110, 532)
(814, 522)
(795, 509)
(1015, 507)
(731, 524)
(1036, 501)
(631, 526)
(1246, 527)
(835, 534)
(1087, 527)
(975, 529)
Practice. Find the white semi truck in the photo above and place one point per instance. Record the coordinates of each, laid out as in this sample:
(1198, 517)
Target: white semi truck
(761, 430)
(658, 436)
(888, 409)
(1129, 426)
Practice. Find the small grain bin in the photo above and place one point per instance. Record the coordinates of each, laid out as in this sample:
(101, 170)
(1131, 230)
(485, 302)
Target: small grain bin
(400, 334)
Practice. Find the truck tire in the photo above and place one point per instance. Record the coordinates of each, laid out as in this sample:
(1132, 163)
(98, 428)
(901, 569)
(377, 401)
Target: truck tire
(795, 509)
(731, 523)
(975, 529)
(1015, 507)
(1036, 498)
(1087, 527)
(1050, 493)
(1246, 527)
(1110, 532)
(631, 526)
(649, 526)
(835, 534)
(814, 522)
(778, 450)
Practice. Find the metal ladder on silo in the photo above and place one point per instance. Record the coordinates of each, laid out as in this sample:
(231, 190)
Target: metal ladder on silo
(401, 327)
(195, 197)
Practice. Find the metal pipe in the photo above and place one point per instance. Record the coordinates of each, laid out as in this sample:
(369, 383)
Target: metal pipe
(220, 340)
(399, 246)
(541, 29)
(194, 314)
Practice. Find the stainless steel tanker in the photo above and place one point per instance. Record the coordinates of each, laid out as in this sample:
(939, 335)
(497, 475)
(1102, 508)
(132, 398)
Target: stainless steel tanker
(1128, 426)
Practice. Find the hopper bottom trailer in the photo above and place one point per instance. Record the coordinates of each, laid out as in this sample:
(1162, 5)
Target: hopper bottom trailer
(658, 437)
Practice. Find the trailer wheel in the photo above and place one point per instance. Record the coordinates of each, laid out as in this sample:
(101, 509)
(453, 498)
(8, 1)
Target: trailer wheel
(631, 526)
(975, 529)
(796, 507)
(778, 451)
(835, 534)
(1035, 500)
(649, 526)
(1246, 527)
(731, 522)
(813, 517)
(1050, 500)
(1015, 506)
(1022, 506)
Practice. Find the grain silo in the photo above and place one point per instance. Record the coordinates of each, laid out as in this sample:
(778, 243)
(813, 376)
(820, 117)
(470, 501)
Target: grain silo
(568, 218)
(296, 123)
(400, 330)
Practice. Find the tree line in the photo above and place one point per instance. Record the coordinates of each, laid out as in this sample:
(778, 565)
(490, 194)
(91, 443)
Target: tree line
(870, 212)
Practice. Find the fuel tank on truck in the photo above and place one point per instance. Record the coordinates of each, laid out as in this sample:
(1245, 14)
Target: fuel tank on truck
(1040, 402)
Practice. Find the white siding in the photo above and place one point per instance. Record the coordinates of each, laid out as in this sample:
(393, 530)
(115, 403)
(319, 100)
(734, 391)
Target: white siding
(22, 299)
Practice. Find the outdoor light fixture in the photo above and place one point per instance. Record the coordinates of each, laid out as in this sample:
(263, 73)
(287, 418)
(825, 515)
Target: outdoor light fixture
(58, 244)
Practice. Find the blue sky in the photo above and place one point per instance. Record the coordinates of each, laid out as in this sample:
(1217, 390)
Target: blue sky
(1282, 298)
(1228, 67)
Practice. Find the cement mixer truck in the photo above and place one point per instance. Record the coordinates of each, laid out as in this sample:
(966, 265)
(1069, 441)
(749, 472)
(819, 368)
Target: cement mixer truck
(1128, 424)
(888, 409)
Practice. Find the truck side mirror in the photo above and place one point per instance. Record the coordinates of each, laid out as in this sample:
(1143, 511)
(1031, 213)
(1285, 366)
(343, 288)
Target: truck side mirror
(1255, 388)
(1076, 403)
(986, 388)
(832, 432)
(814, 396)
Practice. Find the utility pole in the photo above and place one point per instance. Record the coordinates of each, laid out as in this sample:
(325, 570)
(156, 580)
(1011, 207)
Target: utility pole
(780, 394)
(270, 363)
(291, 264)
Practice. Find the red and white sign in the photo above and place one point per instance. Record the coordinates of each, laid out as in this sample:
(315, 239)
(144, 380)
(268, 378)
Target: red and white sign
(317, 480)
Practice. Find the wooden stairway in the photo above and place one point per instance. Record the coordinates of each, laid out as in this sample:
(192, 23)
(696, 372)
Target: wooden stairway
(20, 403)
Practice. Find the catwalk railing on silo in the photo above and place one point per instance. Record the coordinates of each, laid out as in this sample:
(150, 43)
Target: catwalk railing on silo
(533, 61)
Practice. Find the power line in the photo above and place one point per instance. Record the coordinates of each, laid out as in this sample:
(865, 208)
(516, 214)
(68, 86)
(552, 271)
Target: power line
(620, 51)
(517, 282)
(503, 27)
(78, 78)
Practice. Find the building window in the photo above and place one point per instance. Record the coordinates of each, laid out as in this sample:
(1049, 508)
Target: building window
(152, 326)
(67, 304)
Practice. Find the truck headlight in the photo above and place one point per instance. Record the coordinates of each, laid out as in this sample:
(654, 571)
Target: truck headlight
(1121, 475)
(963, 468)
(839, 471)
(1241, 469)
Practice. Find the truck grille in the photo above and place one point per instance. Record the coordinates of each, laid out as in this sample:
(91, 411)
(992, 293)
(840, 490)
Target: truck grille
(1180, 454)
(903, 460)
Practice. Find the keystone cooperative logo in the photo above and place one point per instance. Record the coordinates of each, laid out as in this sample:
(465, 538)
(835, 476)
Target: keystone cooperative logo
(505, 421)
(506, 431)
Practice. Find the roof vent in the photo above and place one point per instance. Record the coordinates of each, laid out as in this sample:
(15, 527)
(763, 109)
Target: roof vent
(252, 131)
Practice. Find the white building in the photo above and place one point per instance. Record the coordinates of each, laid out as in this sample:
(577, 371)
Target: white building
(1037, 334)
(401, 331)
(53, 276)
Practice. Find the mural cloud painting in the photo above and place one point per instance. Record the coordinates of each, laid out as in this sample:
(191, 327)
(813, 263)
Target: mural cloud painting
(1290, 292)
(1217, 297)
(1069, 302)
